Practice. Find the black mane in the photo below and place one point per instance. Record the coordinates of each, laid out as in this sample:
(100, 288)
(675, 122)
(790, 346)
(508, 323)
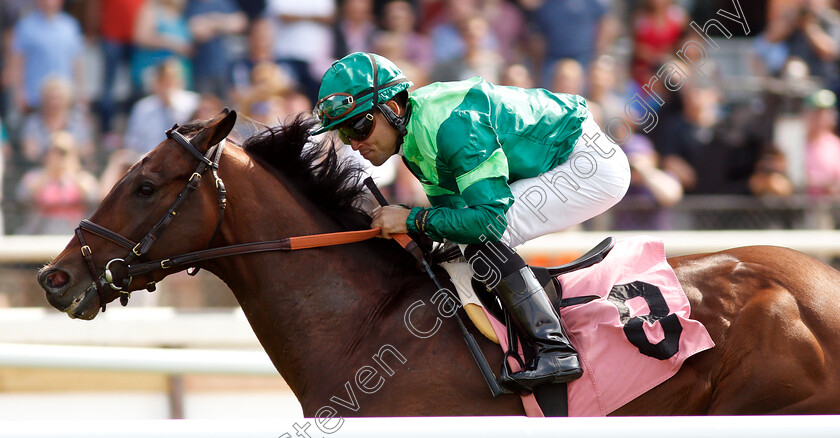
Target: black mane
(314, 168)
(334, 185)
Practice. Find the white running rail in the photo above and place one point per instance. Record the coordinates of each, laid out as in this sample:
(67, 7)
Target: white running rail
(419, 427)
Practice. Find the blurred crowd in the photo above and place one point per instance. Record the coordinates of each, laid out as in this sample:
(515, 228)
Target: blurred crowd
(715, 97)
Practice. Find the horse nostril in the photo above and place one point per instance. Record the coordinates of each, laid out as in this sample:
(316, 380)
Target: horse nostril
(54, 279)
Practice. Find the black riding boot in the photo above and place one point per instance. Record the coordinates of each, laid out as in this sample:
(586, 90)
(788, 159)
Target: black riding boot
(556, 361)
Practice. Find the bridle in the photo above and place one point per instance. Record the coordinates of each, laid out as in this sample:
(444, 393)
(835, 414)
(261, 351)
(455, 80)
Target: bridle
(119, 272)
(116, 273)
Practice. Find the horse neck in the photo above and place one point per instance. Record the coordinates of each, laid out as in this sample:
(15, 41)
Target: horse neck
(299, 302)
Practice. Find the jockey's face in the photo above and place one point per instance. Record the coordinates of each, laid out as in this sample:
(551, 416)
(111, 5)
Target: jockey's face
(382, 142)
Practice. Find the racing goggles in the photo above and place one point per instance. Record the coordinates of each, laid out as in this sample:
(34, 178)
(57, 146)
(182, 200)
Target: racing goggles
(358, 129)
(336, 106)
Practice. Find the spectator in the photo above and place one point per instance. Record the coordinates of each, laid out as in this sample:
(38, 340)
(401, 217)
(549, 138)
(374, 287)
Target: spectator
(400, 21)
(587, 30)
(56, 113)
(602, 90)
(45, 42)
(770, 176)
(754, 12)
(271, 78)
(295, 103)
(651, 192)
(118, 164)
(274, 109)
(161, 33)
(152, 115)
(391, 45)
(58, 194)
(209, 106)
(430, 14)
(516, 75)
(448, 37)
(272, 100)
(5, 154)
(508, 24)
(707, 154)
(263, 100)
(476, 60)
(116, 21)
(771, 56)
(211, 22)
(10, 13)
(822, 153)
(407, 190)
(253, 9)
(670, 111)
(355, 28)
(568, 77)
(810, 30)
(266, 110)
(658, 26)
(260, 50)
(303, 39)
(695, 129)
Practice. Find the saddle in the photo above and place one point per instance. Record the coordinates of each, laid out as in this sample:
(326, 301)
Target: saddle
(476, 299)
(632, 330)
(474, 295)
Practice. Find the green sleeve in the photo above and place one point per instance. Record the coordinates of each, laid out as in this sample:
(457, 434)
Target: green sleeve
(469, 147)
(466, 225)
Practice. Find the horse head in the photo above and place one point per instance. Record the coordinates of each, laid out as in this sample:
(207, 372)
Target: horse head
(158, 208)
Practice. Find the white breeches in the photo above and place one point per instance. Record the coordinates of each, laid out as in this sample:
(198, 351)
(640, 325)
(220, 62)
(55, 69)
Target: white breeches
(594, 178)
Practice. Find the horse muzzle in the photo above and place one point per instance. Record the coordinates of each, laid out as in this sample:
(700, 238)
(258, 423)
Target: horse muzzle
(68, 297)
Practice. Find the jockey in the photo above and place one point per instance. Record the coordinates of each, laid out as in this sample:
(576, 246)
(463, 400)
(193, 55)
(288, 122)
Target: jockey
(500, 166)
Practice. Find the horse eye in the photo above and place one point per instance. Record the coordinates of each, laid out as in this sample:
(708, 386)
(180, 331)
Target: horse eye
(146, 190)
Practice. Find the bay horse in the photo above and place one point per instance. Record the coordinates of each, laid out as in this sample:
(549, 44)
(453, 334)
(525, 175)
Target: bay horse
(333, 319)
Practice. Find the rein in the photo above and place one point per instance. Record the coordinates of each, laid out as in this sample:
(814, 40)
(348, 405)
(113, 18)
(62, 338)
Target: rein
(119, 272)
(285, 244)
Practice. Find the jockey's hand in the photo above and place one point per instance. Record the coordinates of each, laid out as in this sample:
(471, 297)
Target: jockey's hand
(391, 218)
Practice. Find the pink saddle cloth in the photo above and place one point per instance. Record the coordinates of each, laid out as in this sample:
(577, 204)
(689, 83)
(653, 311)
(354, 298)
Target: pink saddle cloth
(635, 336)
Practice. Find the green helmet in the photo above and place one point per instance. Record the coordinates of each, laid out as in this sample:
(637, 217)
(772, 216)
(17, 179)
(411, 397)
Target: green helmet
(354, 85)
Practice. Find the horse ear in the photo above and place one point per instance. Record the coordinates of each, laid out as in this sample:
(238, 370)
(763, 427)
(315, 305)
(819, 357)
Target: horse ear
(216, 130)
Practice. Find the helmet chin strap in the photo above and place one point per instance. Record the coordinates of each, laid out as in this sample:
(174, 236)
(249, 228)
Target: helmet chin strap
(398, 122)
